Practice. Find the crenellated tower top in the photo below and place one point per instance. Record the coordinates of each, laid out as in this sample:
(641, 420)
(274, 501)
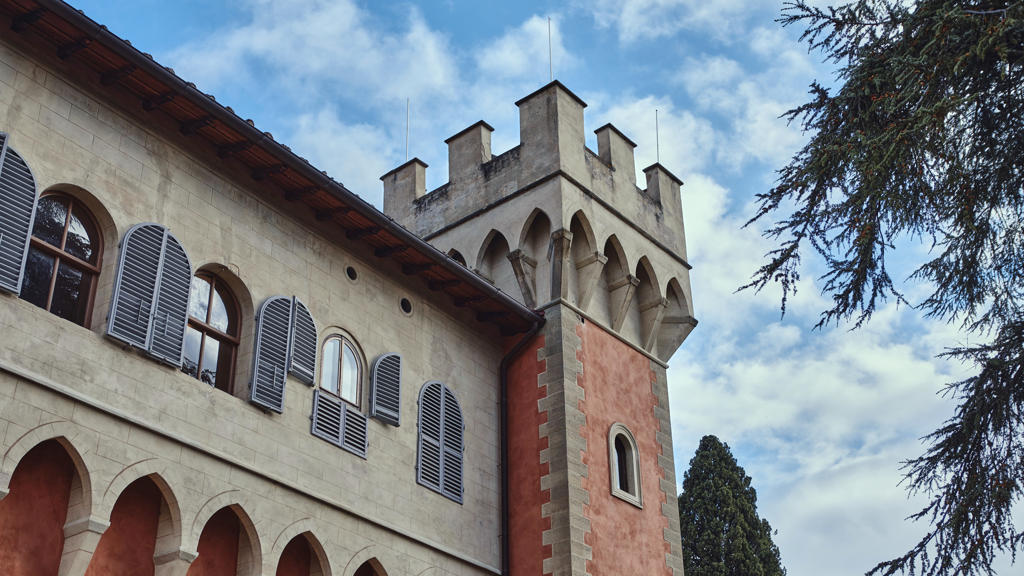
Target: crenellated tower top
(551, 220)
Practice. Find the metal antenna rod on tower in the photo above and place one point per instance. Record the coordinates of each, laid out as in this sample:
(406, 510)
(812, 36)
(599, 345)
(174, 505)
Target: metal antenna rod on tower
(657, 138)
(406, 129)
(551, 67)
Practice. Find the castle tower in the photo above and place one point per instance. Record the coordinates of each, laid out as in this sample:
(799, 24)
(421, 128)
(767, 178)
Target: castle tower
(590, 471)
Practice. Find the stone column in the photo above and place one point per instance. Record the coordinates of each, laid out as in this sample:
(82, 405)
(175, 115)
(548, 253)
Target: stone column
(81, 537)
(561, 240)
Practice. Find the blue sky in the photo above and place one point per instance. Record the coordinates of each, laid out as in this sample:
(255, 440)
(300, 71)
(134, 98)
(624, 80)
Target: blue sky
(819, 419)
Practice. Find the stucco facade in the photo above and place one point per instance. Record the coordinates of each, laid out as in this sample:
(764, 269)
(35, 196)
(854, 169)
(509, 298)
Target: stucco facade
(135, 460)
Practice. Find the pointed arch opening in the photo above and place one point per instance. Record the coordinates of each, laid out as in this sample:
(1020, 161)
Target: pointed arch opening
(457, 256)
(649, 306)
(614, 288)
(677, 323)
(228, 545)
(586, 263)
(371, 567)
(144, 525)
(46, 491)
(303, 556)
(493, 264)
(531, 262)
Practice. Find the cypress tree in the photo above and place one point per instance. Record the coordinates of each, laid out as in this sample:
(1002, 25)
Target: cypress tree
(722, 533)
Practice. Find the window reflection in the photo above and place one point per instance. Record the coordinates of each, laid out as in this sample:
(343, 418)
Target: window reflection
(211, 339)
(340, 369)
(63, 259)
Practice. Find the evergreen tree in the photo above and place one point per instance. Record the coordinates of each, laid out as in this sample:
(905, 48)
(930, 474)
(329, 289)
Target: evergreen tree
(921, 137)
(722, 534)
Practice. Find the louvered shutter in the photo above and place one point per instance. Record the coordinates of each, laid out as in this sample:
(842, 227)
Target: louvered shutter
(17, 212)
(428, 454)
(386, 389)
(302, 359)
(339, 423)
(171, 308)
(328, 417)
(135, 285)
(270, 360)
(354, 437)
(451, 485)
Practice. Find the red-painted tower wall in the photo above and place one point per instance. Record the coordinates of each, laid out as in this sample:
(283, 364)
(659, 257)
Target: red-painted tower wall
(617, 382)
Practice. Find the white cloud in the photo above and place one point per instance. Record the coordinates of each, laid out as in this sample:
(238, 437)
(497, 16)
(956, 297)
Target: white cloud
(355, 154)
(322, 49)
(687, 141)
(637, 20)
(523, 52)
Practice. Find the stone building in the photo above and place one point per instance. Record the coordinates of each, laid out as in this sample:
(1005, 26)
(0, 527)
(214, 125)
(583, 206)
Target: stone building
(216, 360)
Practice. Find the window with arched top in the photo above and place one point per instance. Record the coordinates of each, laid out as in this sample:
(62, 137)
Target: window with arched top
(624, 464)
(340, 369)
(63, 259)
(212, 334)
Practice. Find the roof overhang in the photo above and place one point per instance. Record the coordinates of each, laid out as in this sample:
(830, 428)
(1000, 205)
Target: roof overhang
(68, 40)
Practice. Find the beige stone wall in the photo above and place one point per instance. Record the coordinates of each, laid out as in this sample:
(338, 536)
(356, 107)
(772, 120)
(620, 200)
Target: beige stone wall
(127, 415)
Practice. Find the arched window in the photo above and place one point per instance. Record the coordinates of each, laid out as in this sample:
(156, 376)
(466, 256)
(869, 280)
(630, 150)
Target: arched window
(211, 338)
(340, 369)
(624, 464)
(63, 259)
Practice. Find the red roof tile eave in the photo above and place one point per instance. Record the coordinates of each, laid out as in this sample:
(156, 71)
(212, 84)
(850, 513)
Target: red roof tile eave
(512, 316)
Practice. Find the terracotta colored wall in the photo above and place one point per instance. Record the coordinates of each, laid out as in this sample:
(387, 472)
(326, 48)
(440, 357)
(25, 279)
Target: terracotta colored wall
(295, 559)
(526, 548)
(32, 516)
(218, 546)
(126, 548)
(617, 383)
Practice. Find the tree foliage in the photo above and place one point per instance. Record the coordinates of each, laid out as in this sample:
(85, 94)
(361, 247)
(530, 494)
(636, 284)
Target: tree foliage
(922, 138)
(722, 534)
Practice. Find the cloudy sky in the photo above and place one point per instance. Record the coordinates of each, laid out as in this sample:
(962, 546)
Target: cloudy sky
(819, 419)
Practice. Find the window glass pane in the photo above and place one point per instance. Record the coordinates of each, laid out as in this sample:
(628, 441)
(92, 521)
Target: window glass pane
(69, 294)
(211, 352)
(329, 365)
(199, 298)
(349, 375)
(190, 362)
(38, 271)
(219, 314)
(225, 366)
(622, 461)
(80, 239)
(51, 212)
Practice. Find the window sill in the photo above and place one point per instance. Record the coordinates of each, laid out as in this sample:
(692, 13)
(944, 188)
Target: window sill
(626, 496)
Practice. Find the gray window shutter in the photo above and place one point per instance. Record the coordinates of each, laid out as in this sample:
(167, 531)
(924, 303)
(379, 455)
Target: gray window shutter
(453, 429)
(171, 308)
(135, 285)
(428, 453)
(354, 437)
(270, 359)
(386, 389)
(302, 359)
(328, 417)
(335, 421)
(17, 211)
